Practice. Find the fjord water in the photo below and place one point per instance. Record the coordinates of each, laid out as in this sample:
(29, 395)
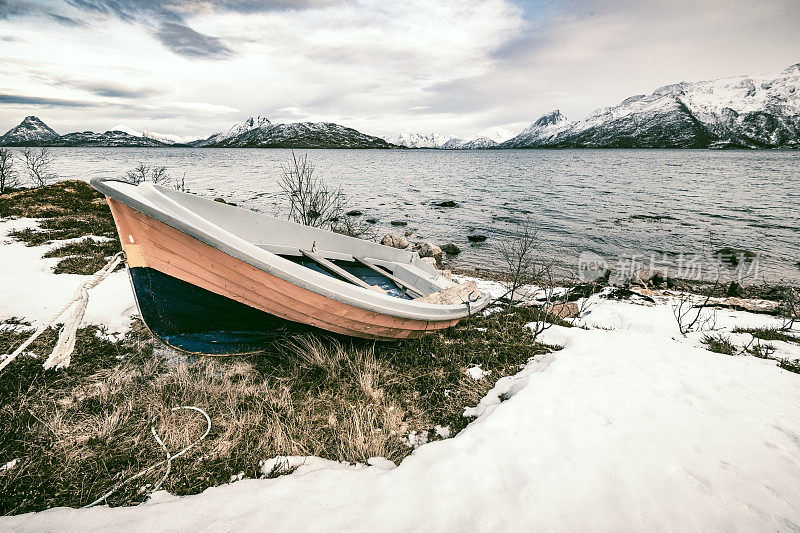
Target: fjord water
(616, 203)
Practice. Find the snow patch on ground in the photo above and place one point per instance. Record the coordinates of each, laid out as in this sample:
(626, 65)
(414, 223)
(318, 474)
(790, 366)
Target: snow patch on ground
(628, 427)
(30, 290)
(477, 373)
(9, 465)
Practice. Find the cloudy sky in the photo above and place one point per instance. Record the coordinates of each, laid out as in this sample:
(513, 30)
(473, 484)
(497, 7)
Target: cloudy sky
(191, 67)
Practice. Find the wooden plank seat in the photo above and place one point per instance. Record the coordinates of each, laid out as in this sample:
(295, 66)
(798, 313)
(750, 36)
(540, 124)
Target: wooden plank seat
(339, 271)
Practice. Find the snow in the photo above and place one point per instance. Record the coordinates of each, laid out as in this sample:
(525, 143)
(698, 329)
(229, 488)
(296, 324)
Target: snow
(485, 139)
(628, 427)
(723, 106)
(9, 465)
(30, 290)
(250, 124)
(497, 134)
(420, 140)
(477, 373)
(169, 138)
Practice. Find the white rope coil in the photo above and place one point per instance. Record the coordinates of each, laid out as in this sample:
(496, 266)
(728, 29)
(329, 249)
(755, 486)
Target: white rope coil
(62, 352)
(168, 460)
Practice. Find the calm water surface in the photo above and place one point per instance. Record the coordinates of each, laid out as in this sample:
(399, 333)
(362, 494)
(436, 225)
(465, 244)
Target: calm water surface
(616, 203)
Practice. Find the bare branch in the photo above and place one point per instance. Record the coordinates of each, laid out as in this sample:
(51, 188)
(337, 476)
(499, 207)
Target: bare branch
(311, 202)
(8, 174)
(141, 173)
(38, 163)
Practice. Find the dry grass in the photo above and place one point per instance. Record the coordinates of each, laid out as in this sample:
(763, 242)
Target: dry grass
(69, 210)
(769, 334)
(78, 431)
(719, 344)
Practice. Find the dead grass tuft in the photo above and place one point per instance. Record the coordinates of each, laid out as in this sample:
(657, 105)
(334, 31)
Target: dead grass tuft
(719, 344)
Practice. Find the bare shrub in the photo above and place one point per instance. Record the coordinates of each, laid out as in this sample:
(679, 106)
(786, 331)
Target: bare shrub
(524, 266)
(353, 227)
(142, 173)
(159, 174)
(546, 298)
(691, 315)
(8, 174)
(38, 163)
(180, 184)
(311, 201)
(789, 308)
(519, 260)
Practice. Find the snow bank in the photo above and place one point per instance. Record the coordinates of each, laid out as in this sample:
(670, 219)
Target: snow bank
(630, 428)
(30, 290)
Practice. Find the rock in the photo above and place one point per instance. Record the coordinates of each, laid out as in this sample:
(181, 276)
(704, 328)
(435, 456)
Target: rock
(735, 290)
(427, 249)
(476, 238)
(430, 260)
(656, 279)
(733, 256)
(451, 249)
(399, 223)
(565, 310)
(354, 213)
(408, 233)
(446, 203)
(220, 200)
(372, 220)
(395, 241)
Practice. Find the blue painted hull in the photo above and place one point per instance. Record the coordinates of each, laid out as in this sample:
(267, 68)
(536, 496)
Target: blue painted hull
(195, 320)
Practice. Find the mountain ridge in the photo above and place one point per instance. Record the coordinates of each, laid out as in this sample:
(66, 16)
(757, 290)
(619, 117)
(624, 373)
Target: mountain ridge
(736, 112)
(761, 111)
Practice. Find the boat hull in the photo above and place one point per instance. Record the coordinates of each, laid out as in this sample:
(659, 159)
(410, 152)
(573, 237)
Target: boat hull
(151, 244)
(198, 321)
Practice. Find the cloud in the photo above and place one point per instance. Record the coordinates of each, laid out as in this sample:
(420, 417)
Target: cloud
(430, 65)
(42, 101)
(179, 10)
(16, 8)
(67, 21)
(113, 89)
(184, 41)
(168, 18)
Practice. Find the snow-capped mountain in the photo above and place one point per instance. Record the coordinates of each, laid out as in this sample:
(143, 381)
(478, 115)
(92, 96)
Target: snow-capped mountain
(420, 140)
(545, 129)
(486, 139)
(740, 112)
(236, 130)
(261, 133)
(109, 138)
(476, 143)
(30, 131)
(166, 138)
(496, 134)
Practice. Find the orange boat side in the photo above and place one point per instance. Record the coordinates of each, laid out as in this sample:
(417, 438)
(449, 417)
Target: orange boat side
(150, 243)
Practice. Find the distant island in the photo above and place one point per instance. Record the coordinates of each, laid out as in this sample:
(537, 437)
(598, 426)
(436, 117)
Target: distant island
(740, 112)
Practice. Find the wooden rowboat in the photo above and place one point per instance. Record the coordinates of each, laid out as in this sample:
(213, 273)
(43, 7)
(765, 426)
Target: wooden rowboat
(217, 279)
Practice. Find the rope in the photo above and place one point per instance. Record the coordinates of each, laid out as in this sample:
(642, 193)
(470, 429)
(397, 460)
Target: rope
(168, 460)
(60, 357)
